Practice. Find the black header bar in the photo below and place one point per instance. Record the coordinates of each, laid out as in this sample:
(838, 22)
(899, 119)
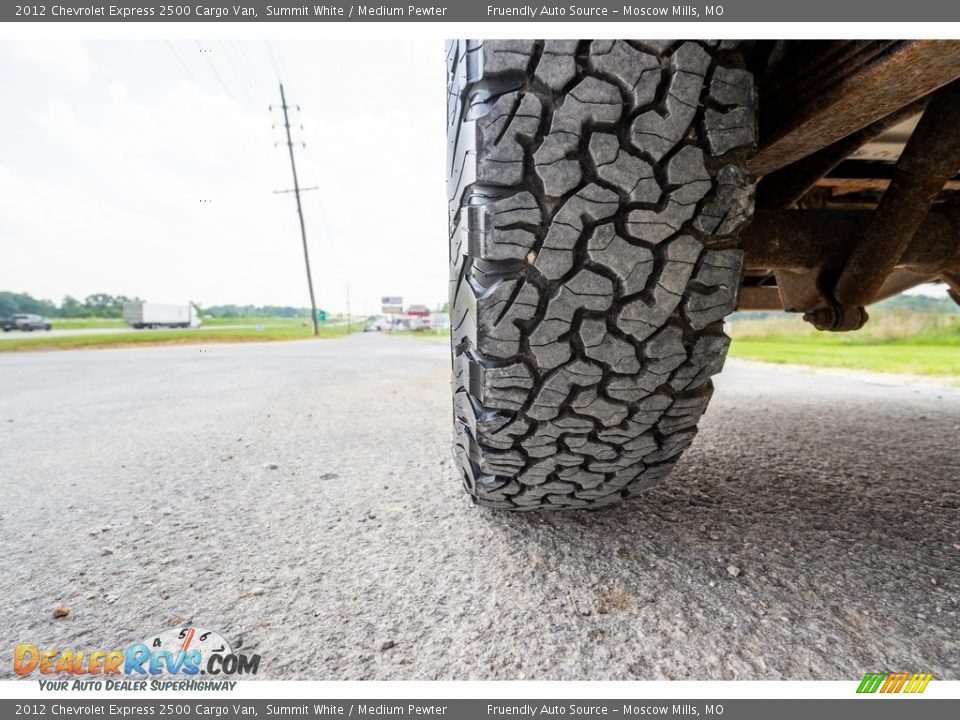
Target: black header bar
(639, 11)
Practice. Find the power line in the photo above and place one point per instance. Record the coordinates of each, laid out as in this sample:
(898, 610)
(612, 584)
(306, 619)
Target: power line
(214, 68)
(252, 75)
(244, 147)
(180, 60)
(252, 104)
(242, 82)
(329, 236)
(273, 60)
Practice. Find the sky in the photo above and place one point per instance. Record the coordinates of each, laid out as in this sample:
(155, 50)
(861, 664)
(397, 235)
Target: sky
(148, 168)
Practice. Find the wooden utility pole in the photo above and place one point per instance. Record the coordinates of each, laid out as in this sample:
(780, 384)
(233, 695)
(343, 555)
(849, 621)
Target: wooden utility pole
(303, 229)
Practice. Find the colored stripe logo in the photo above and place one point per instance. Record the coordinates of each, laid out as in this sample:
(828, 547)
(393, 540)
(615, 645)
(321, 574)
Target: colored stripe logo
(894, 682)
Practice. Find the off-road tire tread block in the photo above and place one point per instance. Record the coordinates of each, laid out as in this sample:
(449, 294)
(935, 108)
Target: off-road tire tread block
(596, 191)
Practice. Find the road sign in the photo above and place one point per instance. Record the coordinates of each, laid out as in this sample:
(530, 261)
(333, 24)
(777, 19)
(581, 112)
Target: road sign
(391, 304)
(321, 315)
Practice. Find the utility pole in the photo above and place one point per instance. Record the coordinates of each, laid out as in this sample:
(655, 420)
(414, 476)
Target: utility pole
(303, 229)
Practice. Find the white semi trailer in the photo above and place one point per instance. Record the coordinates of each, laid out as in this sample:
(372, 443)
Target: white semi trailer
(154, 315)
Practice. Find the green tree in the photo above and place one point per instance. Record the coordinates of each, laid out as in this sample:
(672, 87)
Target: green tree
(70, 307)
(12, 303)
(105, 305)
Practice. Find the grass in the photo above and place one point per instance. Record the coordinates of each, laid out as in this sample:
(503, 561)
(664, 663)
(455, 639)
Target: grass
(892, 341)
(914, 360)
(84, 323)
(95, 323)
(898, 341)
(198, 336)
(444, 333)
(265, 321)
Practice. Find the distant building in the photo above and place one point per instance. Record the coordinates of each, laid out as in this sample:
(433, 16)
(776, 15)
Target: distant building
(440, 321)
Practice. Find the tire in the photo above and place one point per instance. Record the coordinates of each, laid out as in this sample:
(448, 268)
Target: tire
(596, 192)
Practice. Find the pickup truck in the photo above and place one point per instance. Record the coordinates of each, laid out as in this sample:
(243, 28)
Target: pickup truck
(25, 322)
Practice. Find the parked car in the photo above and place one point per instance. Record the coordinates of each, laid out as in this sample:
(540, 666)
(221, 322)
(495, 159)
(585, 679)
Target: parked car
(25, 322)
(378, 325)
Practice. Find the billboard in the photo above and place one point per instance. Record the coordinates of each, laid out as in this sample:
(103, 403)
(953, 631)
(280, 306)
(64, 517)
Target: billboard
(391, 304)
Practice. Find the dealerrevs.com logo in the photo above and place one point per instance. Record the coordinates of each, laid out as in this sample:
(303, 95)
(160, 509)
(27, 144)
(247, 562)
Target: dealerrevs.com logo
(171, 659)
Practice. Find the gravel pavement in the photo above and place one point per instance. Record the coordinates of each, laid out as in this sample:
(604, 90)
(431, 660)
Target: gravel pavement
(300, 497)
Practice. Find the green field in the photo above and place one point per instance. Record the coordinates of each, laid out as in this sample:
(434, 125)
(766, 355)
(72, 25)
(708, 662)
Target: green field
(273, 321)
(898, 341)
(265, 321)
(892, 341)
(249, 330)
(93, 322)
(85, 323)
(431, 333)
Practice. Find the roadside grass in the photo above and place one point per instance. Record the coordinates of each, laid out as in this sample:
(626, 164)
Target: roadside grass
(897, 341)
(892, 341)
(265, 321)
(444, 334)
(910, 359)
(96, 323)
(196, 336)
(332, 321)
(84, 323)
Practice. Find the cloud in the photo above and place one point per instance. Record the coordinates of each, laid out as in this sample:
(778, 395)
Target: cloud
(60, 59)
(157, 180)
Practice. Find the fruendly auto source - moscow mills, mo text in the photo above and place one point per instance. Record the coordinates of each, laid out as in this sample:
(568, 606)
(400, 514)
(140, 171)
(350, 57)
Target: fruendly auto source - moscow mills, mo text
(593, 11)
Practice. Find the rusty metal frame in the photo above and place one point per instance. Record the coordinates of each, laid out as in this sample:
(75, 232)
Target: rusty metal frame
(821, 103)
(930, 158)
(801, 247)
(873, 81)
(785, 187)
(823, 239)
(953, 282)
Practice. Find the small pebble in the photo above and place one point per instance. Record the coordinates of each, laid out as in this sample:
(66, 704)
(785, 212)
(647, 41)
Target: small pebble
(61, 611)
(733, 570)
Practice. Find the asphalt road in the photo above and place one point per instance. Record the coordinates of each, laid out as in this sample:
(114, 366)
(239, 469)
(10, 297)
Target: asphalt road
(300, 497)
